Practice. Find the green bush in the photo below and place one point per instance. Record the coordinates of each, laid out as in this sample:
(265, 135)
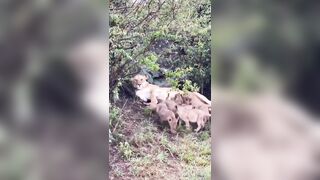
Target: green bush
(114, 116)
(169, 37)
(126, 150)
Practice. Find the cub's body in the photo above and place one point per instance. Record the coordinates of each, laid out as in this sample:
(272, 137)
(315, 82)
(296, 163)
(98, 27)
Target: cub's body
(188, 114)
(167, 115)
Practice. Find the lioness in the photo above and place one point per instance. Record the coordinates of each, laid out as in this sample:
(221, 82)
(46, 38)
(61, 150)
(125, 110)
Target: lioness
(166, 115)
(189, 114)
(147, 91)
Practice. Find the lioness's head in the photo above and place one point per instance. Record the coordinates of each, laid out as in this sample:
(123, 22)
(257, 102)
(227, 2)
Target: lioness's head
(139, 81)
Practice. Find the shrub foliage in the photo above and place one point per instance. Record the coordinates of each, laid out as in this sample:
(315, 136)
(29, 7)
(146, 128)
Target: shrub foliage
(170, 38)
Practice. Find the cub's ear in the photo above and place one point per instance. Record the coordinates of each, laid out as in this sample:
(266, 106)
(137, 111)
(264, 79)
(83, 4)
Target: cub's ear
(145, 77)
(177, 96)
(132, 79)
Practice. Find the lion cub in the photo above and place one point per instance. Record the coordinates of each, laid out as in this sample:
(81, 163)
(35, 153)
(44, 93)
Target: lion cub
(172, 106)
(167, 115)
(191, 99)
(189, 114)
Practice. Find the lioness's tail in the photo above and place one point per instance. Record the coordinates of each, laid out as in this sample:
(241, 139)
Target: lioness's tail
(203, 98)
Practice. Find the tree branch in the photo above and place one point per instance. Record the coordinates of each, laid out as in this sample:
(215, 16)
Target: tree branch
(147, 16)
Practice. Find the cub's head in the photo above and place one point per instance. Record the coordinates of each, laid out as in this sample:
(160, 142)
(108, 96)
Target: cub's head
(182, 99)
(139, 81)
(173, 121)
(178, 99)
(172, 106)
(187, 100)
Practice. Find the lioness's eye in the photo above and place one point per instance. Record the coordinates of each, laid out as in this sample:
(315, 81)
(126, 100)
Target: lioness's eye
(169, 119)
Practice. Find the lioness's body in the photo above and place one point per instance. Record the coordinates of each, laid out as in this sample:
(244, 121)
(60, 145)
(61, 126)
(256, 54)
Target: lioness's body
(146, 91)
(150, 91)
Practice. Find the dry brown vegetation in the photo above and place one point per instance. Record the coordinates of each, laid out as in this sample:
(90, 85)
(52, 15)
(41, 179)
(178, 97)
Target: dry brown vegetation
(142, 148)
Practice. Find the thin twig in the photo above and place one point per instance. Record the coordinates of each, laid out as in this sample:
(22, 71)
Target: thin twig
(170, 152)
(136, 9)
(124, 104)
(115, 127)
(147, 16)
(119, 8)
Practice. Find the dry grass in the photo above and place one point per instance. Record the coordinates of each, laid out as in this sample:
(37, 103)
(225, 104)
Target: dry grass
(145, 149)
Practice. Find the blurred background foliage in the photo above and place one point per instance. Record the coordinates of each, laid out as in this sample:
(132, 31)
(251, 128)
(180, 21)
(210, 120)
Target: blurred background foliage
(162, 39)
(39, 101)
(268, 45)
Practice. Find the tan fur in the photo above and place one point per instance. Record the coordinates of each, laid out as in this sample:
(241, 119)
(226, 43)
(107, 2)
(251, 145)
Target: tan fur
(138, 81)
(188, 114)
(172, 106)
(202, 98)
(167, 115)
(178, 99)
(191, 98)
(145, 90)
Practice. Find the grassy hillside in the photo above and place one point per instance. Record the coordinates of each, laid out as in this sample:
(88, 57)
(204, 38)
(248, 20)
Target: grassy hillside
(142, 148)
